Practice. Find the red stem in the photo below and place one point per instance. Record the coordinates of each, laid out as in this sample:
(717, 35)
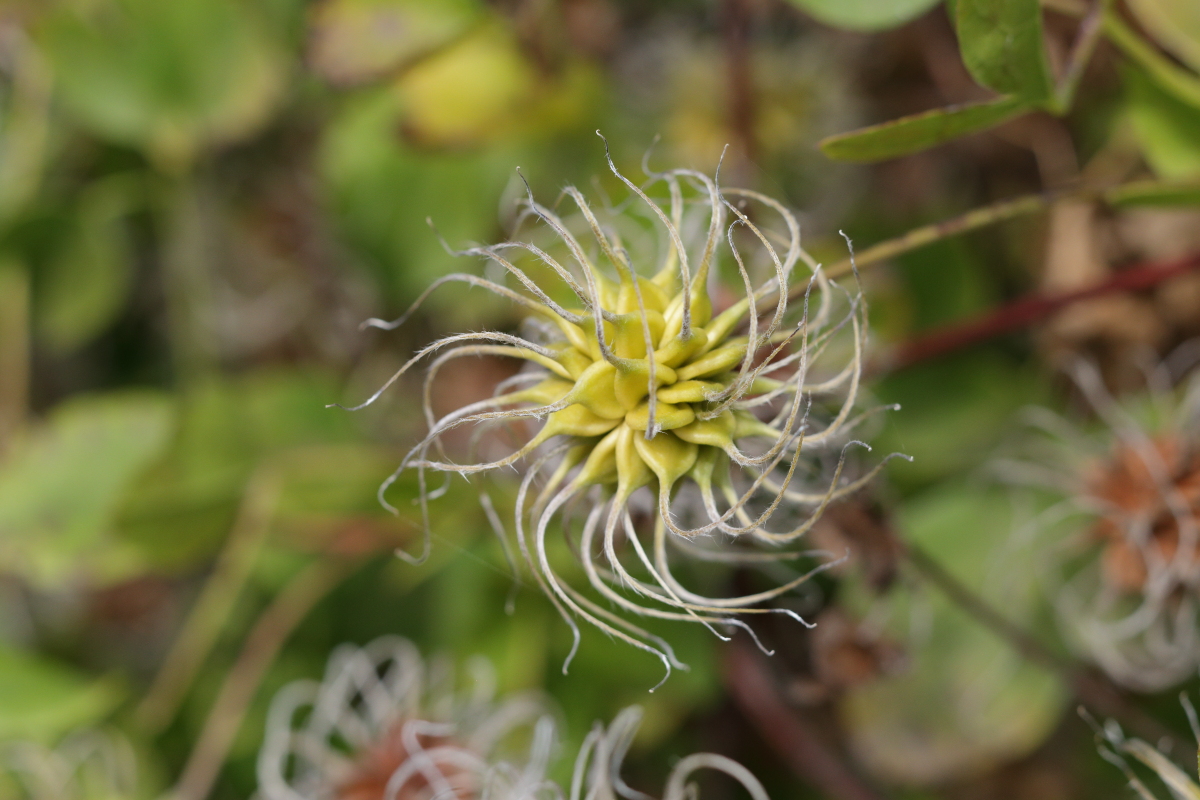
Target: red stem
(796, 740)
(1028, 310)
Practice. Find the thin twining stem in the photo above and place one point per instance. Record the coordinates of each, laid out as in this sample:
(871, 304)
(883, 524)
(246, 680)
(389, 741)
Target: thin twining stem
(985, 216)
(1093, 690)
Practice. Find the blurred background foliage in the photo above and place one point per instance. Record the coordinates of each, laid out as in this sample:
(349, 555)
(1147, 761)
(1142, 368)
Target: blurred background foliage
(200, 200)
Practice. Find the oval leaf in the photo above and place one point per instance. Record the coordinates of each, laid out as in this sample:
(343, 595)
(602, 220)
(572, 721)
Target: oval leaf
(352, 41)
(171, 78)
(865, 15)
(1001, 43)
(966, 701)
(62, 482)
(921, 131)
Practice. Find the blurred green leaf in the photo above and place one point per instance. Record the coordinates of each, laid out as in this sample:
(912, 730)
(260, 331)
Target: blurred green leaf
(227, 429)
(171, 78)
(952, 432)
(865, 15)
(43, 700)
(471, 92)
(1175, 24)
(966, 701)
(1167, 128)
(1154, 193)
(88, 281)
(485, 88)
(24, 125)
(329, 501)
(920, 131)
(353, 41)
(385, 189)
(1169, 76)
(1001, 43)
(14, 346)
(62, 482)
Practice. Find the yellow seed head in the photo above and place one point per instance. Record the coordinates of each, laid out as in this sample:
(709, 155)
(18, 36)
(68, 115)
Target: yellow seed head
(645, 385)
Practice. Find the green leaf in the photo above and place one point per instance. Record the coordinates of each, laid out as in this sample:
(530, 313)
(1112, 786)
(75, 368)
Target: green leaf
(385, 189)
(171, 78)
(865, 15)
(949, 434)
(42, 700)
(1169, 76)
(920, 131)
(966, 700)
(1154, 193)
(62, 483)
(357, 40)
(14, 344)
(227, 429)
(1167, 128)
(25, 140)
(1174, 24)
(1001, 43)
(85, 286)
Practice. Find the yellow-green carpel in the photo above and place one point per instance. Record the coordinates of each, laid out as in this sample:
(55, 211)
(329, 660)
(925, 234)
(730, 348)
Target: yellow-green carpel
(721, 413)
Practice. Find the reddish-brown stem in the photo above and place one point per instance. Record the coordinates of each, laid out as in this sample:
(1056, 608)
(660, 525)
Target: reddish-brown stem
(795, 740)
(735, 29)
(1028, 310)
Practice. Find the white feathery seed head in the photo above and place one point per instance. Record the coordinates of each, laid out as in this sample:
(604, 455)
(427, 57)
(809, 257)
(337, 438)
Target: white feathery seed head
(1118, 541)
(384, 725)
(723, 415)
(86, 765)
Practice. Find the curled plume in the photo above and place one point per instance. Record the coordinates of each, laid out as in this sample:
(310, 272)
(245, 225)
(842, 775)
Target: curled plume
(85, 765)
(650, 390)
(384, 725)
(1119, 534)
(1126, 753)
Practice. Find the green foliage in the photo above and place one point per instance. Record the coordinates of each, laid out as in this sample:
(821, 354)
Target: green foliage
(87, 283)
(865, 15)
(920, 131)
(1002, 45)
(1001, 42)
(227, 431)
(1175, 24)
(1166, 73)
(63, 482)
(355, 41)
(386, 189)
(948, 432)
(1154, 193)
(168, 344)
(42, 700)
(991, 705)
(169, 78)
(1165, 126)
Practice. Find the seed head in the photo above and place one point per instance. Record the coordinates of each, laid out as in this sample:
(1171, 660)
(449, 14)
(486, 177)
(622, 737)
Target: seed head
(658, 390)
(1126, 574)
(1119, 751)
(86, 765)
(383, 725)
